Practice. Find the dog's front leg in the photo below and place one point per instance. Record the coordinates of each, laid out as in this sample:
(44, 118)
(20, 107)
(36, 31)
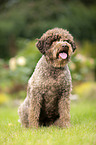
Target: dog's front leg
(34, 111)
(64, 112)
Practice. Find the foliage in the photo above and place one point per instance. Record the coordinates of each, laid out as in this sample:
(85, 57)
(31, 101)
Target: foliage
(15, 73)
(82, 130)
(3, 98)
(26, 60)
(81, 67)
(89, 49)
(86, 90)
(35, 17)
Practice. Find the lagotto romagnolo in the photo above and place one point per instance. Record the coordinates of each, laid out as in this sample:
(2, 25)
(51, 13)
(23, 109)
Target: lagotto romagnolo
(48, 94)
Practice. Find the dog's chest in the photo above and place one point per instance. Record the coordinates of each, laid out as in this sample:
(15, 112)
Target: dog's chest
(54, 86)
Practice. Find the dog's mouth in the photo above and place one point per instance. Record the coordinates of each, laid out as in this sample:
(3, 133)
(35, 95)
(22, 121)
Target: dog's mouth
(62, 54)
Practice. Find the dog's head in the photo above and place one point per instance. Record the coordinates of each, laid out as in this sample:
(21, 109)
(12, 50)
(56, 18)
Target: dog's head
(57, 45)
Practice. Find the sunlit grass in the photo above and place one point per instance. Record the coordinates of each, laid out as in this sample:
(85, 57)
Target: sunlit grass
(81, 132)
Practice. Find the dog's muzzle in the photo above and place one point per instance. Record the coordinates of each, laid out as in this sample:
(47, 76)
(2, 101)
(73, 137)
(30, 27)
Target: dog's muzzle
(63, 52)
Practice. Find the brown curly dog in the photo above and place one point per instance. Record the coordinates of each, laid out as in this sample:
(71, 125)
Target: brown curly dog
(47, 102)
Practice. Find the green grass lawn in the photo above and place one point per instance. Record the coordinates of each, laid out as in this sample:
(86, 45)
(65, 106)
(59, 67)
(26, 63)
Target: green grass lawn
(81, 132)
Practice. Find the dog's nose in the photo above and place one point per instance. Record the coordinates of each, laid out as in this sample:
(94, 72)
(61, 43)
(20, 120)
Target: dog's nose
(65, 46)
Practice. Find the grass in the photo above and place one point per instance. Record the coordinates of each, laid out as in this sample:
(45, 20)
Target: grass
(82, 131)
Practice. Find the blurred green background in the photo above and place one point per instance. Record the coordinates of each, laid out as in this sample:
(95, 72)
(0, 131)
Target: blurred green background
(22, 21)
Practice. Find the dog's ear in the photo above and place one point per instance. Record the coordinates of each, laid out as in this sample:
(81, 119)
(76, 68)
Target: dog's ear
(73, 45)
(44, 44)
(40, 46)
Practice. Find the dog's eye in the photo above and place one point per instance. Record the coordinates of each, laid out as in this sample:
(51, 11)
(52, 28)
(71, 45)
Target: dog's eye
(65, 46)
(53, 39)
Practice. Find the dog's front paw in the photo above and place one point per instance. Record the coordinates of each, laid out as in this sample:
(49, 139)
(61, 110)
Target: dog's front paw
(62, 124)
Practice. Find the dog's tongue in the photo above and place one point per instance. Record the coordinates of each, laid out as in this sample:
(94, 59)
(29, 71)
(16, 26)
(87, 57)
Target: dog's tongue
(63, 55)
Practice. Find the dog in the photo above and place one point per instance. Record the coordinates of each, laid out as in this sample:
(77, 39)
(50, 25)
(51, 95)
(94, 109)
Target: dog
(48, 93)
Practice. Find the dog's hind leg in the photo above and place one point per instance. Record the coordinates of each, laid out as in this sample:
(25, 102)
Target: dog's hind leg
(23, 113)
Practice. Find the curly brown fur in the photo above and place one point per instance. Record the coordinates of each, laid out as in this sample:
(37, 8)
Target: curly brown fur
(52, 35)
(47, 102)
